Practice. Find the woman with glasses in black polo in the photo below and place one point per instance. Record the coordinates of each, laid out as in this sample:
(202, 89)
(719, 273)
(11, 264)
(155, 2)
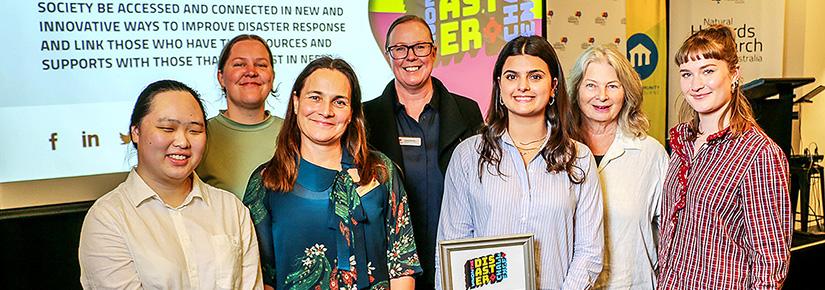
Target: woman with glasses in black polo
(417, 123)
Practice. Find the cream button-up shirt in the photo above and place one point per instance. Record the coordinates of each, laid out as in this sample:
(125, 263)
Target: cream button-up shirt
(632, 174)
(131, 239)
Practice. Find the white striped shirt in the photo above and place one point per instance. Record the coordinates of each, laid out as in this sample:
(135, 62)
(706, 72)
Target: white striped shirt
(565, 218)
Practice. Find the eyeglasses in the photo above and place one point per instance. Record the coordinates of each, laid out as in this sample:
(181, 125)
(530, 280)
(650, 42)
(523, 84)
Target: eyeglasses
(400, 51)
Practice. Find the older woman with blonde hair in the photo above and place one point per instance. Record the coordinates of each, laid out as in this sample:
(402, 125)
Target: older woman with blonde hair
(606, 94)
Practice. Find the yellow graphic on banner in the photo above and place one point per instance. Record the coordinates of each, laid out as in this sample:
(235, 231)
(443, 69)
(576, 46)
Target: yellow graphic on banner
(388, 6)
(647, 40)
(468, 27)
(538, 10)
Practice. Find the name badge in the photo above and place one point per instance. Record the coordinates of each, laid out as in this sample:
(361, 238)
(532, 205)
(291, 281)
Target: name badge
(409, 141)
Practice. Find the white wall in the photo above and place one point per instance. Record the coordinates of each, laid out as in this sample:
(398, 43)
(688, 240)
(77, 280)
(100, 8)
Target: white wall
(57, 191)
(805, 56)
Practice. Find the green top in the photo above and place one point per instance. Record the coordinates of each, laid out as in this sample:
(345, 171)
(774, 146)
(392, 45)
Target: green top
(234, 150)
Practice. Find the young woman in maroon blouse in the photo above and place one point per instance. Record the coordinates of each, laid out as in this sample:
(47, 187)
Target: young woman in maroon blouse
(726, 215)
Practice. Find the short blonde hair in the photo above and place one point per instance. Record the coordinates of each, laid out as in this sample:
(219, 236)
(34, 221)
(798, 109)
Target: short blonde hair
(631, 118)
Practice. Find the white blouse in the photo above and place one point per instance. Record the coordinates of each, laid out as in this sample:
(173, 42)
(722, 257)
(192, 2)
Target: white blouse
(632, 174)
(131, 239)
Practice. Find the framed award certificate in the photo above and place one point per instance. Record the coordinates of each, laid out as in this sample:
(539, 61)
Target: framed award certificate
(488, 263)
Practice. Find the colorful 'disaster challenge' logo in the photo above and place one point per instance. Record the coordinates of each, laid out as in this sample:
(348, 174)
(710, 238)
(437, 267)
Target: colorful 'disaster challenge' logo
(485, 270)
(467, 26)
(460, 27)
(468, 34)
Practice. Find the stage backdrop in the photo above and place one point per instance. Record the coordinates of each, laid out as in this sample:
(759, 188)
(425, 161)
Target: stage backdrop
(468, 33)
(636, 27)
(72, 70)
(573, 26)
(758, 25)
(646, 47)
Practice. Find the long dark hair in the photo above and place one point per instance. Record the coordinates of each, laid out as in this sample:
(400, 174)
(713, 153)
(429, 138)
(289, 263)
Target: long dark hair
(281, 172)
(560, 151)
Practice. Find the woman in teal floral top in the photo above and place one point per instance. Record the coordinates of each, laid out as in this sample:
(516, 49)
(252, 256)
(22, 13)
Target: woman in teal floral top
(329, 213)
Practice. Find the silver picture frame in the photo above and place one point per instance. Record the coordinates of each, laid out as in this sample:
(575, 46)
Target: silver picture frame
(514, 248)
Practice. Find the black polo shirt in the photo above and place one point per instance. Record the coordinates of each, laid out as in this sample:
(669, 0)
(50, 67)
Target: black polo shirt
(424, 180)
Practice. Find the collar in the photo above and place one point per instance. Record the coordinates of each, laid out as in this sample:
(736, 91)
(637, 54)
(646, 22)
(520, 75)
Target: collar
(621, 143)
(679, 139)
(317, 178)
(268, 119)
(434, 104)
(720, 136)
(138, 192)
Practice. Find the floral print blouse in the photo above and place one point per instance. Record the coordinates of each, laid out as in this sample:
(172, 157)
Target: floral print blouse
(324, 234)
